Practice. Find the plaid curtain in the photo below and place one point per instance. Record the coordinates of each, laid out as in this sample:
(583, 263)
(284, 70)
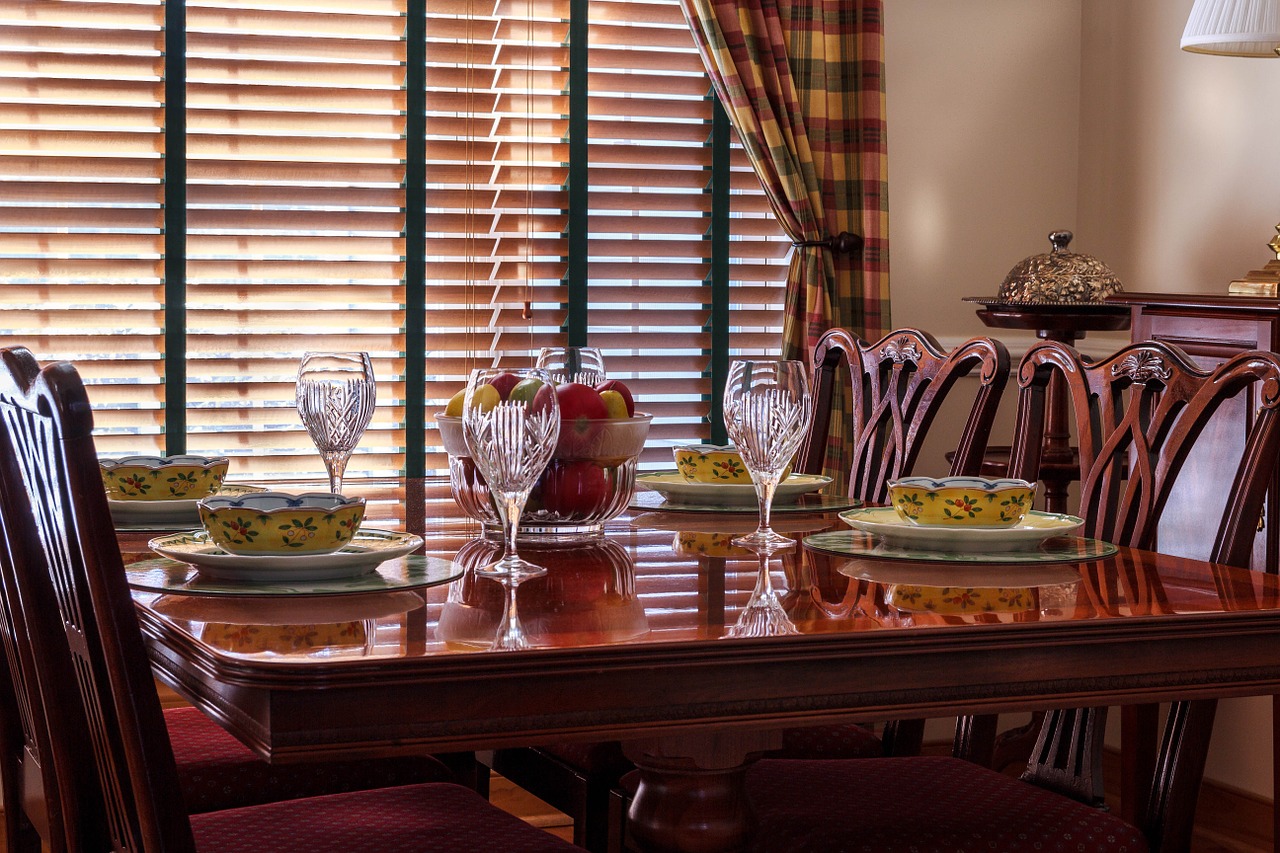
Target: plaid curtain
(803, 84)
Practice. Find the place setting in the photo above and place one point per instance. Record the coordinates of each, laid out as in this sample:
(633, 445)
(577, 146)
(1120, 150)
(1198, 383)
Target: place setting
(719, 479)
(152, 493)
(252, 541)
(961, 520)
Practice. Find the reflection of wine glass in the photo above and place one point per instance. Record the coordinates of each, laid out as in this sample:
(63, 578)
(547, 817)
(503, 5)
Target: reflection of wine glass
(573, 364)
(766, 412)
(336, 395)
(589, 597)
(764, 615)
(511, 442)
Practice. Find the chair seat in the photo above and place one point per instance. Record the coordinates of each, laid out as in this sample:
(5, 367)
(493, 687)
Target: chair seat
(920, 805)
(218, 772)
(427, 818)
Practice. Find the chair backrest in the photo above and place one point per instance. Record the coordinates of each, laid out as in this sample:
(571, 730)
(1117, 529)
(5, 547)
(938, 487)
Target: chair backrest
(1137, 415)
(896, 387)
(64, 587)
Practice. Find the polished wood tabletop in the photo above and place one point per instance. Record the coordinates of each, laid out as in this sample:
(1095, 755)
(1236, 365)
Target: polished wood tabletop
(632, 637)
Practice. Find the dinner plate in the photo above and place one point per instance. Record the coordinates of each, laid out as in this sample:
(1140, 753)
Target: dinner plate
(885, 524)
(813, 502)
(365, 552)
(412, 571)
(675, 488)
(166, 515)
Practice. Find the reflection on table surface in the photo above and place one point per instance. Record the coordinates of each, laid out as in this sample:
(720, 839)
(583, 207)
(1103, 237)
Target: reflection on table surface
(660, 577)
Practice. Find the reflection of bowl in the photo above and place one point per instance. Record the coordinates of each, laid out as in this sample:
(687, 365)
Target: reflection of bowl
(714, 463)
(961, 501)
(693, 543)
(587, 596)
(966, 600)
(588, 481)
(162, 478)
(285, 639)
(281, 523)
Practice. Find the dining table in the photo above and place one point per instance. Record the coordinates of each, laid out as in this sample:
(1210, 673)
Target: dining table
(639, 635)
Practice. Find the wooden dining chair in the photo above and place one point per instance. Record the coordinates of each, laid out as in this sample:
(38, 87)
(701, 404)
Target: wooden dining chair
(1139, 412)
(897, 386)
(215, 770)
(108, 775)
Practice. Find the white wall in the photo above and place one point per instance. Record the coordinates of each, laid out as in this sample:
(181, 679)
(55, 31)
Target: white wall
(1009, 119)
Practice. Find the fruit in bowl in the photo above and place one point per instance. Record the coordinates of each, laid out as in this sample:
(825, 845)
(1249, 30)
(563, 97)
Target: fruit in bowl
(591, 475)
(714, 463)
(961, 501)
(162, 478)
(279, 523)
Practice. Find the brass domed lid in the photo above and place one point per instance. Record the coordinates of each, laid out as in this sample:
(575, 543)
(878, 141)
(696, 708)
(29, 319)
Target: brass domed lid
(1059, 277)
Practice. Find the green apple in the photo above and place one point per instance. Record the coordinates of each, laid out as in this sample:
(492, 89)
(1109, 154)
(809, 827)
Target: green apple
(615, 404)
(525, 390)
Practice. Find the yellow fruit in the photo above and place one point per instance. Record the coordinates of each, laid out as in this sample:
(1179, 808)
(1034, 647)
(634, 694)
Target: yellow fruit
(454, 409)
(485, 397)
(615, 404)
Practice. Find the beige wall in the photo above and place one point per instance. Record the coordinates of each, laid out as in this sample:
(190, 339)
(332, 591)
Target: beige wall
(1012, 118)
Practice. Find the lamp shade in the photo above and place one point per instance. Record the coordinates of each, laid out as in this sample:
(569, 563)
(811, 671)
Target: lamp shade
(1234, 28)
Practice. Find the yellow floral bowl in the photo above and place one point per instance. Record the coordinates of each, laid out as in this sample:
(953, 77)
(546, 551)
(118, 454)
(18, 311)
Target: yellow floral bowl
(162, 478)
(278, 523)
(961, 501)
(714, 463)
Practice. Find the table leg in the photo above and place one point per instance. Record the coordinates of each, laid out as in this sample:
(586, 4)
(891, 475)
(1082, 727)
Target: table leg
(692, 796)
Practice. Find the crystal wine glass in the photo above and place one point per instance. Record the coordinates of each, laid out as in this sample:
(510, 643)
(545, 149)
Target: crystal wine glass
(336, 395)
(511, 442)
(766, 413)
(573, 364)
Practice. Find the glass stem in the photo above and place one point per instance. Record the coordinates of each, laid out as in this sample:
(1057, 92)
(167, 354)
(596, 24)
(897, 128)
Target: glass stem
(764, 582)
(510, 507)
(764, 493)
(335, 461)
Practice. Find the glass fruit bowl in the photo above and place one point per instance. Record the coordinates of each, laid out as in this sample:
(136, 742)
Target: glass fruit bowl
(589, 480)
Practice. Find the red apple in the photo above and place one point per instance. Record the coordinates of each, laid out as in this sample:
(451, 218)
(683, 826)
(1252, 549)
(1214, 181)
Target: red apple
(578, 404)
(616, 385)
(574, 487)
(504, 382)
(542, 398)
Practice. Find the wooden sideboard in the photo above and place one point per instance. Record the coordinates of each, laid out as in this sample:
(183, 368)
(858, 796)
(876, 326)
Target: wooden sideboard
(1211, 328)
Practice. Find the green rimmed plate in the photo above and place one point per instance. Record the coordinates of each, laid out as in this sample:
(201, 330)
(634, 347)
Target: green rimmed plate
(1052, 549)
(367, 550)
(413, 571)
(677, 490)
(888, 527)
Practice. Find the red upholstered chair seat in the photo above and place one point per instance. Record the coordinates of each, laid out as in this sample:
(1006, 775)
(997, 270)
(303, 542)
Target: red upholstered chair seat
(429, 818)
(216, 771)
(920, 805)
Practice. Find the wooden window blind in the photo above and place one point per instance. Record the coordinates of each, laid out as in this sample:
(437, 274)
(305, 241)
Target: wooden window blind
(81, 262)
(305, 228)
(295, 218)
(496, 153)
